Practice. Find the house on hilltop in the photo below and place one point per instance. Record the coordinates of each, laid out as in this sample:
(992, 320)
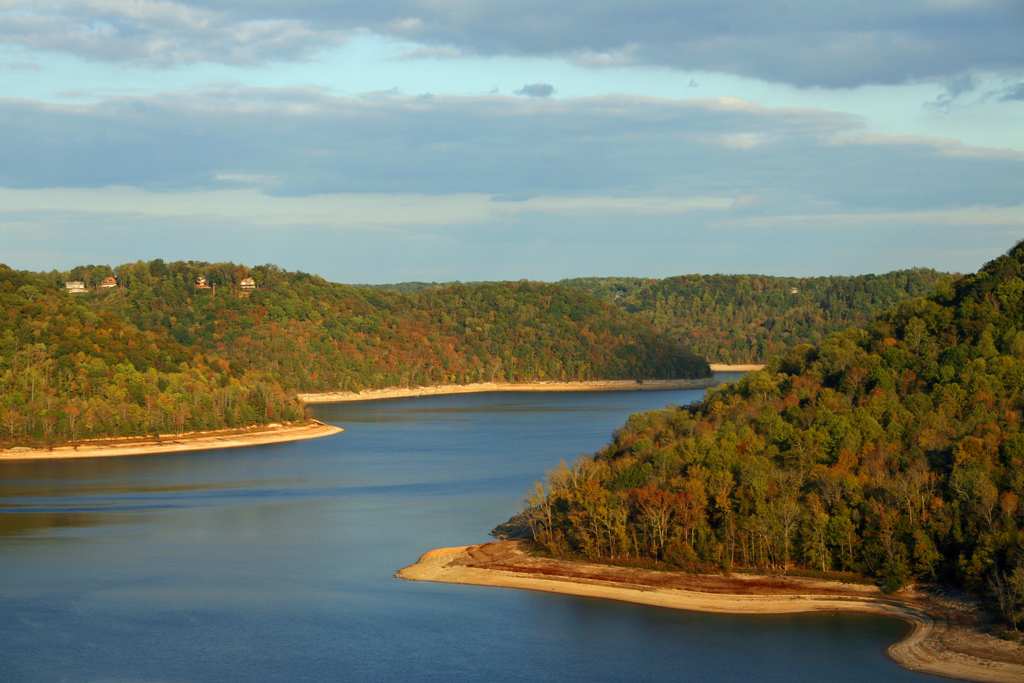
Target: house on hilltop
(201, 283)
(248, 284)
(75, 287)
(109, 282)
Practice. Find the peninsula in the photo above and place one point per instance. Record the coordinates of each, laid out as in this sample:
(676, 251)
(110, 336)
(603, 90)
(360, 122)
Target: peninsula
(891, 453)
(99, 352)
(258, 435)
(943, 640)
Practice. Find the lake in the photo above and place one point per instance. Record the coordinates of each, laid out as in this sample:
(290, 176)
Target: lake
(275, 563)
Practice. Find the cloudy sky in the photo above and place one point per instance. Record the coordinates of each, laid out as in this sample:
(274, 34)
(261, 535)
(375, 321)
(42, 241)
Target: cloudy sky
(475, 139)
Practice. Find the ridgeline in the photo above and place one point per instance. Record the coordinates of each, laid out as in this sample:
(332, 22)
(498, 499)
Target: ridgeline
(752, 318)
(149, 348)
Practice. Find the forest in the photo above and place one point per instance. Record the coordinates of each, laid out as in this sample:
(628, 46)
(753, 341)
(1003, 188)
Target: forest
(751, 318)
(892, 451)
(155, 354)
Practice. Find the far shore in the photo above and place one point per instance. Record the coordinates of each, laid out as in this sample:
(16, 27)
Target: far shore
(257, 435)
(943, 640)
(177, 443)
(741, 367)
(485, 387)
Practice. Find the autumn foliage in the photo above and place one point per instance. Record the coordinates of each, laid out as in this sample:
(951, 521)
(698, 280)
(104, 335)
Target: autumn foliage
(894, 451)
(157, 354)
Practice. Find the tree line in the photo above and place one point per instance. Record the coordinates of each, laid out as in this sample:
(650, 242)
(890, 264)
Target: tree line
(752, 318)
(894, 451)
(158, 355)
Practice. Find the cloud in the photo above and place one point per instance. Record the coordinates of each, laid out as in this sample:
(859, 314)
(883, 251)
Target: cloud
(832, 43)
(944, 146)
(245, 179)
(159, 33)
(340, 210)
(306, 142)
(391, 187)
(433, 52)
(537, 90)
(961, 84)
(1013, 93)
(741, 140)
(953, 89)
(972, 216)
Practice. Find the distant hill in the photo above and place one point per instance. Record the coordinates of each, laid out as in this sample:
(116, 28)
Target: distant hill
(157, 353)
(751, 318)
(894, 450)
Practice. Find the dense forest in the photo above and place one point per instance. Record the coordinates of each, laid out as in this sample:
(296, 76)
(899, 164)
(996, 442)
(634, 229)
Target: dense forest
(157, 354)
(894, 450)
(751, 318)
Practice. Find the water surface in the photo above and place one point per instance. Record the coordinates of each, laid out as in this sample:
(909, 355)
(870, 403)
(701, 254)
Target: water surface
(274, 563)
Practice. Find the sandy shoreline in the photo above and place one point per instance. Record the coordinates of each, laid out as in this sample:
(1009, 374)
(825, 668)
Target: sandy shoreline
(741, 367)
(276, 433)
(942, 641)
(484, 387)
(178, 443)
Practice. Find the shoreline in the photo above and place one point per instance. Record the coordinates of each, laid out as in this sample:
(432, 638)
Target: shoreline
(736, 367)
(257, 435)
(498, 387)
(941, 642)
(177, 443)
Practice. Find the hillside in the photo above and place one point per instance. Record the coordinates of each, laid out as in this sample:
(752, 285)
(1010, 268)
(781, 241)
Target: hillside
(893, 451)
(157, 354)
(751, 318)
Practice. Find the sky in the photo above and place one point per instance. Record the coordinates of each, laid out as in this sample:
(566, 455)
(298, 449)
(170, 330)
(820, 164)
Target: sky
(440, 140)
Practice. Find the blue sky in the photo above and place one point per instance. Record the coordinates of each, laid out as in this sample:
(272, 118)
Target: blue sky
(449, 139)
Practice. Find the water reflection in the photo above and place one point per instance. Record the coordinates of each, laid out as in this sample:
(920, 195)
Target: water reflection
(23, 523)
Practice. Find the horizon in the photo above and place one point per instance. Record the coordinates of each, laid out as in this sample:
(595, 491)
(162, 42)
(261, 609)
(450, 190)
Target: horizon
(250, 266)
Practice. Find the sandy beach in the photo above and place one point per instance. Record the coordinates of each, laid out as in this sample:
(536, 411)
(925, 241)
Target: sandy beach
(943, 640)
(483, 387)
(726, 367)
(177, 443)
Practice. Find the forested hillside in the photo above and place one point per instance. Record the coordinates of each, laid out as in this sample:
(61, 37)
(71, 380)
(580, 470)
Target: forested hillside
(750, 318)
(894, 450)
(157, 354)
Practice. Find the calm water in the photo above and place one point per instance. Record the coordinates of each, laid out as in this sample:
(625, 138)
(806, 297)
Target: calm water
(275, 564)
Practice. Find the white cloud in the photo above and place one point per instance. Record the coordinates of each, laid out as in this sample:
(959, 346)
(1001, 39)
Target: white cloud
(945, 146)
(641, 151)
(406, 25)
(618, 57)
(236, 178)
(741, 140)
(160, 33)
(341, 210)
(964, 217)
(433, 52)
